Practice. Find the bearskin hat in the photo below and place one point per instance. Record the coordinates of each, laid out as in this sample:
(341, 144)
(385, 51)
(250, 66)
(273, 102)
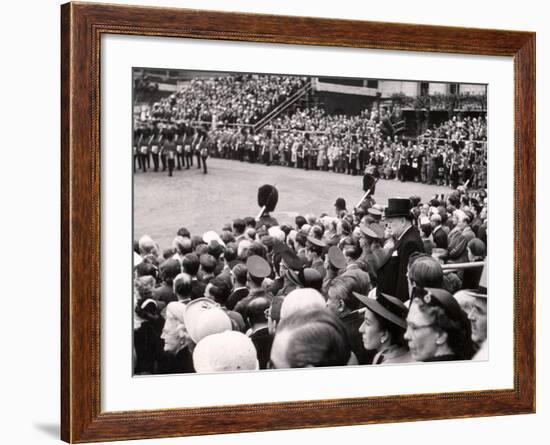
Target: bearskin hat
(268, 196)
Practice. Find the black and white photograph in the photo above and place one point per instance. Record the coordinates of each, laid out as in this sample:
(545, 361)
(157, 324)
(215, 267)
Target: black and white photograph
(289, 221)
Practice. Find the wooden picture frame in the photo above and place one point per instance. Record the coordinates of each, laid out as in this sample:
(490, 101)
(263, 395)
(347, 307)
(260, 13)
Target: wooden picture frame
(82, 26)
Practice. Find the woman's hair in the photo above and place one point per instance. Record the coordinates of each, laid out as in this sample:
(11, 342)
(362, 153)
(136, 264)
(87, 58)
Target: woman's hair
(425, 271)
(316, 338)
(456, 325)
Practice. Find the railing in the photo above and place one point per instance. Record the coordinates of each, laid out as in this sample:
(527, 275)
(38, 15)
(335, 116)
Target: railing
(282, 107)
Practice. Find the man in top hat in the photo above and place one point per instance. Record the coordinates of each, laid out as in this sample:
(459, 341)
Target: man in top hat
(392, 275)
(268, 196)
(258, 269)
(315, 253)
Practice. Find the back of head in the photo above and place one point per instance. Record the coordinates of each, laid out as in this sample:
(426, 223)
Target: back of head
(255, 310)
(299, 221)
(207, 262)
(182, 285)
(477, 247)
(182, 245)
(239, 226)
(184, 232)
(190, 264)
(146, 245)
(425, 271)
(352, 251)
(314, 338)
(169, 269)
(219, 289)
(240, 272)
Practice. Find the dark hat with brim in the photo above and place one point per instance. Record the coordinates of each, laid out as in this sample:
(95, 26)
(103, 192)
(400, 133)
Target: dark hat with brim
(306, 278)
(336, 258)
(398, 207)
(366, 230)
(258, 267)
(387, 307)
(316, 242)
(445, 300)
(291, 259)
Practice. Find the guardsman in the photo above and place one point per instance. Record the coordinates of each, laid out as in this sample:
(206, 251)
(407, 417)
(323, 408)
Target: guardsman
(170, 150)
(144, 149)
(204, 151)
(196, 145)
(179, 149)
(155, 145)
(268, 196)
(135, 143)
(187, 147)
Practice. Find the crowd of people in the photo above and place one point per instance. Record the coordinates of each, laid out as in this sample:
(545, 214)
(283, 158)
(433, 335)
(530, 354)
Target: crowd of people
(453, 153)
(372, 285)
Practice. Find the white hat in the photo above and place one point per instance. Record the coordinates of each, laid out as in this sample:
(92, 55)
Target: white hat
(300, 300)
(226, 351)
(204, 317)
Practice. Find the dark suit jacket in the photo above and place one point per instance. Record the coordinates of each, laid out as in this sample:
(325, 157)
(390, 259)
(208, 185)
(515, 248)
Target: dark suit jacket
(392, 276)
(440, 238)
(262, 340)
(236, 296)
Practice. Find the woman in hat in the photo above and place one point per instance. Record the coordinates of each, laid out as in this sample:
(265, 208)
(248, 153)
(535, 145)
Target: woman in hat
(383, 328)
(437, 328)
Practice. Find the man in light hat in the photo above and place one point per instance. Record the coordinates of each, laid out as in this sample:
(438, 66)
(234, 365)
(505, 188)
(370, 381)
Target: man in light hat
(392, 275)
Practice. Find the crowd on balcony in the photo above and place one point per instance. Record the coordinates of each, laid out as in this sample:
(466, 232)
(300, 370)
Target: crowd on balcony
(227, 99)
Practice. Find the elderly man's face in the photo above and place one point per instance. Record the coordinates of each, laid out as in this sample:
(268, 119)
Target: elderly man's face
(395, 226)
(478, 320)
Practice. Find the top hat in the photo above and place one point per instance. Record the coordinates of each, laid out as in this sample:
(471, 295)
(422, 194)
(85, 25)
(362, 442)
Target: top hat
(398, 207)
